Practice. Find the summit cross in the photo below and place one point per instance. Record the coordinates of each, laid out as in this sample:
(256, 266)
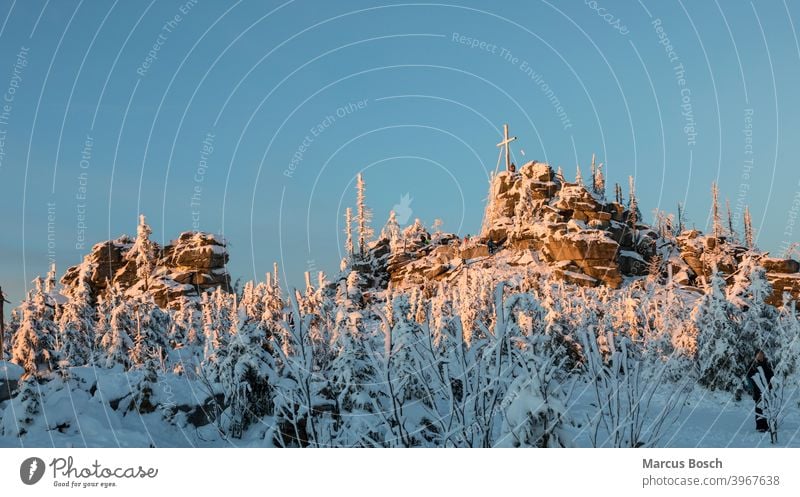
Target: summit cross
(504, 143)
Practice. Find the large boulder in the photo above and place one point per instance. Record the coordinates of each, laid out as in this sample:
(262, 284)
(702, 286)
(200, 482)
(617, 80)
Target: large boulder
(609, 275)
(537, 171)
(107, 258)
(581, 245)
(783, 283)
(576, 197)
(196, 250)
(774, 265)
(473, 251)
(437, 271)
(632, 263)
(543, 190)
(692, 259)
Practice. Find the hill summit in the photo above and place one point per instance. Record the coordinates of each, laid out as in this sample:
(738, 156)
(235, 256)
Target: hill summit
(537, 219)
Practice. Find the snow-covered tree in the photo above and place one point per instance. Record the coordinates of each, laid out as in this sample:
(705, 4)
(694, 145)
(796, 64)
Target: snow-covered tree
(353, 287)
(186, 327)
(116, 344)
(216, 327)
(150, 331)
(392, 232)
(143, 400)
(348, 232)
(399, 374)
(722, 353)
(364, 216)
(143, 252)
(77, 321)
(23, 410)
(7, 330)
(716, 218)
(50, 281)
(749, 292)
(748, 229)
(33, 348)
(244, 373)
(34, 345)
(352, 379)
(787, 355)
(404, 358)
(535, 407)
(635, 215)
(731, 230)
(578, 176)
(556, 324)
(302, 410)
(776, 389)
(681, 222)
(626, 389)
(598, 179)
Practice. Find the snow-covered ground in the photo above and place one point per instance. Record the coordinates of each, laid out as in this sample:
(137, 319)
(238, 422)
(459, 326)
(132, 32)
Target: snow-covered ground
(708, 419)
(81, 416)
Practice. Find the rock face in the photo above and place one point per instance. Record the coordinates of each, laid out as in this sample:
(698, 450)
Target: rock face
(534, 216)
(574, 229)
(781, 266)
(188, 266)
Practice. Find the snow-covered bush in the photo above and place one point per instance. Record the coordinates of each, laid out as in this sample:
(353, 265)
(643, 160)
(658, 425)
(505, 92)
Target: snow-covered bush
(634, 408)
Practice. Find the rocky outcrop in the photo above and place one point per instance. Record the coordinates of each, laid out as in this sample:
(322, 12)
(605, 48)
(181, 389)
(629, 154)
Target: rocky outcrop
(783, 283)
(188, 266)
(535, 217)
(780, 266)
(529, 212)
(705, 254)
(536, 210)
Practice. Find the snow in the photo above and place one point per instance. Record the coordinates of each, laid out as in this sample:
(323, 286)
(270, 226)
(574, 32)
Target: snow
(570, 191)
(707, 419)
(575, 225)
(589, 235)
(579, 276)
(632, 255)
(10, 371)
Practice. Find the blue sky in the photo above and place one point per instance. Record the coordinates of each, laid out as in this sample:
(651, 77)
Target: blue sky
(679, 94)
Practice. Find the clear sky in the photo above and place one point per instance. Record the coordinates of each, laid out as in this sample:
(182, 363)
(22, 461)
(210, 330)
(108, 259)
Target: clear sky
(252, 118)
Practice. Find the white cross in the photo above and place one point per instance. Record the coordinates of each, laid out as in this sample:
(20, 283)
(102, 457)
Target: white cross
(504, 143)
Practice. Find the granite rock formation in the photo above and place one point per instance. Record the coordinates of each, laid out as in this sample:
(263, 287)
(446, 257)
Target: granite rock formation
(535, 217)
(188, 266)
